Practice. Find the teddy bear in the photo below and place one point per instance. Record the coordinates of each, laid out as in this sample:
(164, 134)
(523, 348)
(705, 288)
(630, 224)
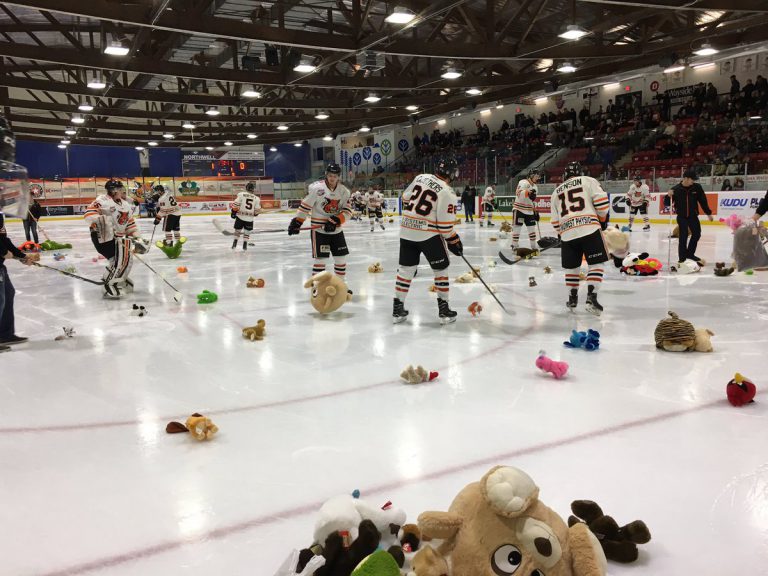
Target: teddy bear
(639, 264)
(345, 512)
(417, 375)
(505, 227)
(200, 427)
(329, 292)
(499, 527)
(254, 282)
(256, 332)
(526, 253)
(674, 334)
(721, 270)
(375, 268)
(617, 243)
(466, 278)
(619, 543)
(734, 222)
(589, 340)
(702, 342)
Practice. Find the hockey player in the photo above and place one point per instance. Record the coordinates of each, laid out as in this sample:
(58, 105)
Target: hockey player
(112, 229)
(327, 204)
(373, 202)
(579, 214)
(426, 227)
(244, 209)
(524, 209)
(358, 205)
(169, 211)
(638, 198)
(488, 199)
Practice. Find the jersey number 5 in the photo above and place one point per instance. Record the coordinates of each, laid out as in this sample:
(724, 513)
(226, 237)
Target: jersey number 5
(422, 201)
(574, 203)
(249, 204)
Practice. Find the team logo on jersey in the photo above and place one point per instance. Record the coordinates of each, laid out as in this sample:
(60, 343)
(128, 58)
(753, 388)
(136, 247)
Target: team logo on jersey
(331, 206)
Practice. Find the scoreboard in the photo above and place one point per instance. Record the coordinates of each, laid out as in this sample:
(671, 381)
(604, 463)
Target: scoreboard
(225, 163)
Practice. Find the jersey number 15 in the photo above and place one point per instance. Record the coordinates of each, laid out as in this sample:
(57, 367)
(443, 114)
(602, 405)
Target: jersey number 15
(421, 201)
(573, 203)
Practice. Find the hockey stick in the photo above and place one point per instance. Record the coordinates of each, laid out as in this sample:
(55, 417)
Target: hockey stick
(519, 258)
(476, 273)
(70, 274)
(177, 296)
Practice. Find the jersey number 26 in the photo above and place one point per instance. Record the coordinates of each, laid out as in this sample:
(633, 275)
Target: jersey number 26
(574, 203)
(422, 201)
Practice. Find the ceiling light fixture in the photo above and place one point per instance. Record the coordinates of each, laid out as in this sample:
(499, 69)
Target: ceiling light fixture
(566, 68)
(209, 148)
(499, 106)
(227, 143)
(322, 115)
(672, 69)
(139, 148)
(273, 149)
(412, 108)
(365, 128)
(573, 32)
(212, 111)
(70, 131)
(304, 66)
(188, 126)
(474, 91)
(755, 117)
(251, 94)
(541, 100)
(252, 136)
(297, 144)
(85, 107)
(400, 15)
(327, 138)
(706, 50)
(485, 112)
(282, 127)
(372, 98)
(65, 141)
(441, 122)
(168, 136)
(611, 85)
(62, 146)
(97, 82)
(703, 65)
(152, 143)
(77, 119)
(451, 74)
(117, 48)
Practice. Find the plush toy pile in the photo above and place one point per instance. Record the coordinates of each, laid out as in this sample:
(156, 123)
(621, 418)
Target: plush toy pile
(256, 332)
(182, 270)
(619, 543)
(589, 340)
(635, 264)
(417, 375)
(617, 243)
(199, 427)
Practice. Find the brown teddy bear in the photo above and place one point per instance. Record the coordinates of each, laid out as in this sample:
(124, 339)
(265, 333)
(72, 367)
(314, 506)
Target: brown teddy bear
(200, 427)
(619, 542)
(329, 292)
(721, 270)
(375, 268)
(255, 282)
(703, 341)
(256, 332)
(498, 527)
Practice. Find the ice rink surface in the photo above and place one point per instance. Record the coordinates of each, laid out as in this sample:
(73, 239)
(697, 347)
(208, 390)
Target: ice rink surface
(92, 484)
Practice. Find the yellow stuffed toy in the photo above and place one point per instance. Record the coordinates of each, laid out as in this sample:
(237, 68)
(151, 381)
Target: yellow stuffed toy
(375, 268)
(466, 278)
(256, 332)
(329, 292)
(255, 282)
(498, 526)
(200, 427)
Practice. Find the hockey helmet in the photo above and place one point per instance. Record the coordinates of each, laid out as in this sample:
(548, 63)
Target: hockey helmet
(112, 185)
(333, 168)
(533, 172)
(250, 187)
(160, 189)
(447, 168)
(572, 171)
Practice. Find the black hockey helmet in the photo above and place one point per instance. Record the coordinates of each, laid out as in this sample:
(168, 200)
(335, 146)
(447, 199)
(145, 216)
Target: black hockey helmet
(160, 189)
(112, 185)
(533, 172)
(447, 168)
(637, 178)
(7, 142)
(250, 187)
(333, 168)
(572, 170)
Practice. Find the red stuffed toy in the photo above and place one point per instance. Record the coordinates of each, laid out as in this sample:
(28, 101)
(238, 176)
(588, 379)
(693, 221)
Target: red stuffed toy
(740, 390)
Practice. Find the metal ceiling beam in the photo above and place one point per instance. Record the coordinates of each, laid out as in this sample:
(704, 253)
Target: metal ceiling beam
(698, 5)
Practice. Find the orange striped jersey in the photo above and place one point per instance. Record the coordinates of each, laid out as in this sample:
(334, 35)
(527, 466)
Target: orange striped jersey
(523, 202)
(321, 203)
(247, 206)
(167, 204)
(374, 199)
(122, 220)
(429, 208)
(579, 205)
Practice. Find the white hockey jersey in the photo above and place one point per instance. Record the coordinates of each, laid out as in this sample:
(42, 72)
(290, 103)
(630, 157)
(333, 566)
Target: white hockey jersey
(167, 205)
(579, 205)
(637, 195)
(489, 196)
(523, 202)
(117, 222)
(321, 203)
(428, 209)
(247, 206)
(374, 199)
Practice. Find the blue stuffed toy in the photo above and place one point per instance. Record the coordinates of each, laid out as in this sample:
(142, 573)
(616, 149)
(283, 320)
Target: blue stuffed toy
(589, 340)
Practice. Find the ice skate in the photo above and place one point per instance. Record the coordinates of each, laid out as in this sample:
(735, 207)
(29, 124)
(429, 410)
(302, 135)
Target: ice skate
(593, 306)
(573, 300)
(399, 313)
(447, 316)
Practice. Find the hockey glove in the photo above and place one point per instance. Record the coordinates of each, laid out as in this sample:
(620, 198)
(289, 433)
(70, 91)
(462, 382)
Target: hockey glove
(532, 195)
(157, 221)
(332, 224)
(604, 225)
(294, 226)
(233, 214)
(455, 245)
(139, 246)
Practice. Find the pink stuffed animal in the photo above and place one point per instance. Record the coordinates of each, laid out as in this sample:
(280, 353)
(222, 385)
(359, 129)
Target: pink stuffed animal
(546, 364)
(733, 222)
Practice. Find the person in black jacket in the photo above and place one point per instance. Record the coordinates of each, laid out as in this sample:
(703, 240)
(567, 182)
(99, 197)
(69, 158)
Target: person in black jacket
(30, 222)
(468, 202)
(762, 208)
(687, 197)
(8, 335)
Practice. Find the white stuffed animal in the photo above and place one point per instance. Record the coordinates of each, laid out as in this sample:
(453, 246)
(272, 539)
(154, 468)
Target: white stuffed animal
(344, 514)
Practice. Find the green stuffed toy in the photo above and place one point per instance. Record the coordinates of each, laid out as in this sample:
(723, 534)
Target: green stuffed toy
(51, 245)
(207, 297)
(380, 563)
(173, 251)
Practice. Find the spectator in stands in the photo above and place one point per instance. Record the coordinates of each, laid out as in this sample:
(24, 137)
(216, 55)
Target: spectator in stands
(761, 84)
(738, 184)
(504, 125)
(610, 109)
(670, 129)
(748, 89)
(416, 142)
(735, 87)
(726, 185)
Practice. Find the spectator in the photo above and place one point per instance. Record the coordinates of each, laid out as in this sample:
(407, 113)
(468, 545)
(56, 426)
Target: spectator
(738, 184)
(748, 89)
(735, 87)
(711, 93)
(670, 129)
(30, 222)
(504, 126)
(726, 185)
(468, 202)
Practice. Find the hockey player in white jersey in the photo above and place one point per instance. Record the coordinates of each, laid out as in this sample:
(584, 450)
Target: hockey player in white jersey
(357, 203)
(373, 202)
(524, 209)
(488, 204)
(169, 211)
(579, 215)
(638, 198)
(113, 228)
(244, 209)
(327, 204)
(426, 227)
